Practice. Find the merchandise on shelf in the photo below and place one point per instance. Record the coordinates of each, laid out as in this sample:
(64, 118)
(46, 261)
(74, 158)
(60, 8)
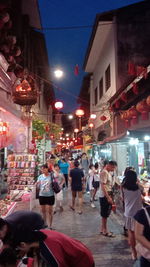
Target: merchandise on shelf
(21, 172)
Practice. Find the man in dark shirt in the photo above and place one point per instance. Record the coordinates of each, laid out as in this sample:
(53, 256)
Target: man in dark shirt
(77, 176)
(19, 219)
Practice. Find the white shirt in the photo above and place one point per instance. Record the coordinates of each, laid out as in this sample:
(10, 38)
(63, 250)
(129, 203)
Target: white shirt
(105, 178)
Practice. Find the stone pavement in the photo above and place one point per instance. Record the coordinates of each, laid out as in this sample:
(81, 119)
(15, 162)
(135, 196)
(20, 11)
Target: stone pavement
(106, 251)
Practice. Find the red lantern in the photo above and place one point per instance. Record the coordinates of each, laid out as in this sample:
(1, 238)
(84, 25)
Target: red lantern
(117, 104)
(133, 114)
(135, 88)
(124, 97)
(143, 108)
(103, 118)
(47, 128)
(125, 116)
(148, 100)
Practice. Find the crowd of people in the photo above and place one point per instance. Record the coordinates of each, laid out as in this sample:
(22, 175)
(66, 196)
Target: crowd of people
(80, 176)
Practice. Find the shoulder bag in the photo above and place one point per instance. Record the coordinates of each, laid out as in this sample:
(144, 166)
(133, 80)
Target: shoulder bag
(55, 186)
(143, 251)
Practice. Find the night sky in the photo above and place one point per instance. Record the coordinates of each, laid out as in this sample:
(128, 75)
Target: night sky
(67, 47)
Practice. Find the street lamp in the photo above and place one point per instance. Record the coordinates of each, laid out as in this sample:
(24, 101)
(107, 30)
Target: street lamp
(58, 73)
(59, 105)
(91, 125)
(70, 116)
(76, 131)
(79, 113)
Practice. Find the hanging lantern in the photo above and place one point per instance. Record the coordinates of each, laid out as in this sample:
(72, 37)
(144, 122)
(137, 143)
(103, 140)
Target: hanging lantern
(148, 100)
(124, 97)
(133, 114)
(135, 88)
(103, 118)
(117, 104)
(143, 108)
(58, 105)
(3, 128)
(25, 93)
(125, 116)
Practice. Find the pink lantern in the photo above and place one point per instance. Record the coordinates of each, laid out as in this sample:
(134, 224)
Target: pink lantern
(79, 112)
(93, 116)
(58, 105)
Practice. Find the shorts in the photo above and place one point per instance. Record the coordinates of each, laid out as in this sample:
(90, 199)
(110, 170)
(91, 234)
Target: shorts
(130, 223)
(105, 207)
(95, 184)
(80, 194)
(47, 200)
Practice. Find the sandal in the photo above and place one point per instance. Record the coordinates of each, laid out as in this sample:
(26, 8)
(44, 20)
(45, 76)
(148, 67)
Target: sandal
(72, 208)
(80, 212)
(110, 234)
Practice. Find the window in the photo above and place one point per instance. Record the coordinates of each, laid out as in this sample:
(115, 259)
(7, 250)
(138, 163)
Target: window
(95, 96)
(107, 78)
(101, 88)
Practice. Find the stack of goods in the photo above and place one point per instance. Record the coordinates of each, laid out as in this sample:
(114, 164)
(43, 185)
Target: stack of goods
(21, 172)
(5, 206)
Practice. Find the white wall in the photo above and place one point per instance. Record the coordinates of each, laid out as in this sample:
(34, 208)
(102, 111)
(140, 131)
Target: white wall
(106, 57)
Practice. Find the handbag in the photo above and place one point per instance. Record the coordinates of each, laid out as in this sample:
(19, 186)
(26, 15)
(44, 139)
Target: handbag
(55, 186)
(143, 251)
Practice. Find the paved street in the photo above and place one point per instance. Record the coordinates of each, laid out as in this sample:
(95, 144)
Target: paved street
(107, 251)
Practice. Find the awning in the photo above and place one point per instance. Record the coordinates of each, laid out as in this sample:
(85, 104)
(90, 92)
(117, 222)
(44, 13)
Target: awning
(112, 139)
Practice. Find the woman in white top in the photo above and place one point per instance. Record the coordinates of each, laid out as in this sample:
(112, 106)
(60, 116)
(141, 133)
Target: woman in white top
(61, 180)
(132, 203)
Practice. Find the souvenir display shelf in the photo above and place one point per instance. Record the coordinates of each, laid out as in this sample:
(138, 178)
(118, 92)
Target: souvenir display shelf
(21, 169)
(6, 207)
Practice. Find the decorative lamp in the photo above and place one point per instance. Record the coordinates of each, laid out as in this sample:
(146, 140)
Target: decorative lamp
(58, 105)
(143, 108)
(25, 93)
(79, 112)
(76, 130)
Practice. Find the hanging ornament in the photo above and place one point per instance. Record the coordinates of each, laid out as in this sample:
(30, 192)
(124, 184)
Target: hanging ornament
(131, 68)
(124, 97)
(135, 88)
(148, 100)
(117, 104)
(126, 117)
(103, 118)
(76, 70)
(133, 114)
(143, 108)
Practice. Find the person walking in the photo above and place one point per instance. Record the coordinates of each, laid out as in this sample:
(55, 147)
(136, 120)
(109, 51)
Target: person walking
(132, 203)
(106, 200)
(90, 181)
(61, 180)
(46, 195)
(77, 179)
(64, 167)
